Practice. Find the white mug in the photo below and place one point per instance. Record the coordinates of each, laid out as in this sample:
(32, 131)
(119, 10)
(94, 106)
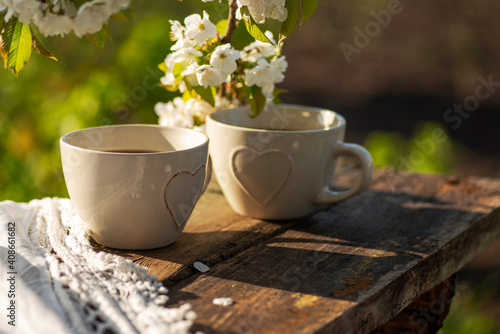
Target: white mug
(279, 164)
(134, 186)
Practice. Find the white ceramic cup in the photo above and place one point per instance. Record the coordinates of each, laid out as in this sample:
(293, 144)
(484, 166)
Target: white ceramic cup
(279, 165)
(139, 200)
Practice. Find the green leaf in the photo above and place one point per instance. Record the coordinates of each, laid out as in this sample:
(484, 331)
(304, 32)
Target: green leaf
(298, 11)
(206, 94)
(187, 95)
(241, 37)
(178, 69)
(3, 51)
(99, 38)
(276, 93)
(257, 100)
(197, 121)
(106, 31)
(163, 67)
(124, 14)
(170, 88)
(253, 28)
(221, 27)
(308, 9)
(16, 44)
(294, 12)
(39, 48)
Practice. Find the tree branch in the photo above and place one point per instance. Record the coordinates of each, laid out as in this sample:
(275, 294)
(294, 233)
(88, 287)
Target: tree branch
(231, 22)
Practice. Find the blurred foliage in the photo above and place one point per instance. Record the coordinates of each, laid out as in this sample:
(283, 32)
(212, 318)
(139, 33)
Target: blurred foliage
(429, 150)
(85, 88)
(467, 314)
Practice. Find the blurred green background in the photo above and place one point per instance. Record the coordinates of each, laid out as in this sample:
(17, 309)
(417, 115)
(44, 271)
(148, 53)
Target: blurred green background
(394, 93)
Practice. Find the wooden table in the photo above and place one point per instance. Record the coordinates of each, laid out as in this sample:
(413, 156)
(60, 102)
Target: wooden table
(348, 268)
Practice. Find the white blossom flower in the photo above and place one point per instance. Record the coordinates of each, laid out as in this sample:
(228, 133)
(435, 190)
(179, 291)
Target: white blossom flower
(261, 76)
(27, 10)
(51, 25)
(169, 62)
(183, 43)
(191, 69)
(275, 9)
(206, 75)
(182, 86)
(239, 14)
(181, 113)
(69, 8)
(177, 30)
(198, 107)
(262, 9)
(174, 113)
(258, 49)
(257, 9)
(90, 18)
(197, 60)
(266, 75)
(192, 79)
(9, 6)
(186, 56)
(60, 17)
(222, 103)
(198, 29)
(168, 79)
(114, 6)
(280, 63)
(224, 58)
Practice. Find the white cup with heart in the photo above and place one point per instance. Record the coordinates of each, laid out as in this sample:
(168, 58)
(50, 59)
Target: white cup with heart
(134, 186)
(279, 164)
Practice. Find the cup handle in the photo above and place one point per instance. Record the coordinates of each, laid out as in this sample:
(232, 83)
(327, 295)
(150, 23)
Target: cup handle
(328, 195)
(208, 176)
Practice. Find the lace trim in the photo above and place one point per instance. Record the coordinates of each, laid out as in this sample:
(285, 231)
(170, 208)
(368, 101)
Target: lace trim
(101, 292)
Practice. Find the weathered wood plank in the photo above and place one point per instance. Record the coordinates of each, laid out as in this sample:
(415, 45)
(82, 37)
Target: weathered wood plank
(354, 266)
(213, 233)
(425, 315)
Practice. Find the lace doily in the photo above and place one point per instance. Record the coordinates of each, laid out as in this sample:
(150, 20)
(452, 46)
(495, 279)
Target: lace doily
(63, 286)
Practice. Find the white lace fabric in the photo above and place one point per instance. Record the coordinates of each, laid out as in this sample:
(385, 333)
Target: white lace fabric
(62, 285)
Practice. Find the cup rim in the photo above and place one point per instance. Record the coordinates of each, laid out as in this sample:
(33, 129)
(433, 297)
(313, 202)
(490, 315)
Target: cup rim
(295, 106)
(63, 139)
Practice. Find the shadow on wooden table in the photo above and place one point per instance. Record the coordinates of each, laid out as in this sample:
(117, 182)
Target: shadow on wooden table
(338, 252)
(350, 267)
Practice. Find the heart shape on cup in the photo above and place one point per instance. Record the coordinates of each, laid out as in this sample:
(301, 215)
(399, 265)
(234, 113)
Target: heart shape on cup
(181, 193)
(261, 174)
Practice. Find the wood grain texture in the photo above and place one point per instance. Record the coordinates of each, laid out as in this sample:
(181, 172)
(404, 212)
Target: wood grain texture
(346, 269)
(213, 233)
(425, 315)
